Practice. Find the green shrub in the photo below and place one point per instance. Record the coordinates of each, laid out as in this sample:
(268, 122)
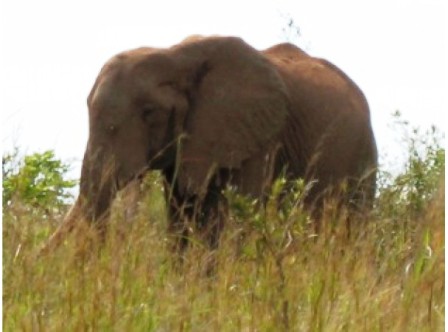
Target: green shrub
(414, 188)
(36, 180)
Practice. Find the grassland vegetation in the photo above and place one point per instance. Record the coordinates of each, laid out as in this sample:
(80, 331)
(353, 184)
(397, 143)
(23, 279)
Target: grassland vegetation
(273, 271)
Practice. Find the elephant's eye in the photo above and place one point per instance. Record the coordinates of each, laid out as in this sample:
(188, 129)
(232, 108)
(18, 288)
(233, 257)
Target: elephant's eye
(112, 129)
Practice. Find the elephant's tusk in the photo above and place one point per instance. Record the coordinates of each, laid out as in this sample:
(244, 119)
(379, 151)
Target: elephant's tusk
(66, 227)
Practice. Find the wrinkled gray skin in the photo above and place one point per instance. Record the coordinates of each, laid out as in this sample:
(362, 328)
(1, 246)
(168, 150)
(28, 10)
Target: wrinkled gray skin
(209, 112)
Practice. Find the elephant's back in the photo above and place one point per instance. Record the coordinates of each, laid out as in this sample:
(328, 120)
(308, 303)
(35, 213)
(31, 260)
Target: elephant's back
(316, 80)
(328, 135)
(286, 52)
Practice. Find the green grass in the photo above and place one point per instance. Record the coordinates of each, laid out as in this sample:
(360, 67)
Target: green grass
(272, 273)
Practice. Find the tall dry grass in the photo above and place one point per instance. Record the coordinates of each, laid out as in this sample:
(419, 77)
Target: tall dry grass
(272, 273)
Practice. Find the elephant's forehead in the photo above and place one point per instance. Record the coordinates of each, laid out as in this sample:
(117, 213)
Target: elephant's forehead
(111, 93)
(116, 88)
(126, 79)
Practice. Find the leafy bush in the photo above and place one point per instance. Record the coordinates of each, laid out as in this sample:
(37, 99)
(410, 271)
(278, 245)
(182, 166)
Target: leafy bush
(36, 180)
(424, 170)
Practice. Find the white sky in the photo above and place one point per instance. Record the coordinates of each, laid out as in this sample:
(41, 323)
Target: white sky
(51, 52)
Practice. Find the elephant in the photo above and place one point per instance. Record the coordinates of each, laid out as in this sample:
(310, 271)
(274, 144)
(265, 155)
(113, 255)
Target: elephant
(211, 112)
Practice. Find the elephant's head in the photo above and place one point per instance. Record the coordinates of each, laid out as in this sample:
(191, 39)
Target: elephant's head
(206, 103)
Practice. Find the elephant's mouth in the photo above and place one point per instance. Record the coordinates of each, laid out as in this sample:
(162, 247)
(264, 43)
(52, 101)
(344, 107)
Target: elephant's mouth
(122, 181)
(162, 159)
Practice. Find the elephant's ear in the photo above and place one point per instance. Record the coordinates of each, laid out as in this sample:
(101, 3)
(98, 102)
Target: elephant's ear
(238, 107)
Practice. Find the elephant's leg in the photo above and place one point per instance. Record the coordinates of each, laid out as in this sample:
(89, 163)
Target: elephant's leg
(177, 230)
(203, 215)
(211, 217)
(179, 218)
(343, 200)
(213, 209)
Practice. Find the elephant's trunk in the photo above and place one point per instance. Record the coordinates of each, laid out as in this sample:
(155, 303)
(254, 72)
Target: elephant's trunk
(98, 185)
(97, 190)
